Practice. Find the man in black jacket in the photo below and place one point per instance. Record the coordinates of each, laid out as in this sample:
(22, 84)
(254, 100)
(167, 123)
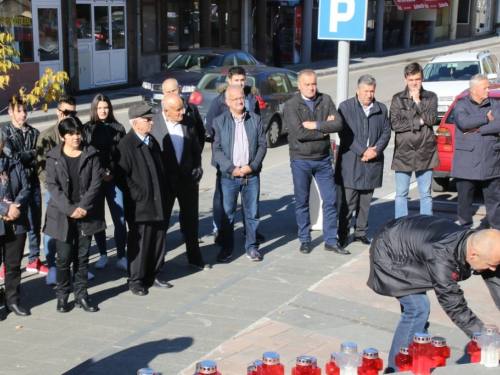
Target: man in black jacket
(171, 86)
(311, 116)
(414, 254)
(476, 157)
(360, 162)
(181, 155)
(20, 144)
(413, 114)
(140, 175)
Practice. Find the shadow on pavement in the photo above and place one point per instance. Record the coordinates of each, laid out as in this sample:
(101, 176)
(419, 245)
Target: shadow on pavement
(128, 361)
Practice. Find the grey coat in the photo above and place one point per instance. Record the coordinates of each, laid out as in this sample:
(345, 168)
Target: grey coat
(476, 155)
(415, 147)
(358, 133)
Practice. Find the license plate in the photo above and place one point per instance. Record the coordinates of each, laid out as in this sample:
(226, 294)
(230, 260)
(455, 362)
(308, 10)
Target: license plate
(442, 108)
(158, 96)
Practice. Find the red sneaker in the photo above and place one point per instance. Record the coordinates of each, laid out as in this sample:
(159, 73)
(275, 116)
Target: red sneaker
(2, 273)
(37, 267)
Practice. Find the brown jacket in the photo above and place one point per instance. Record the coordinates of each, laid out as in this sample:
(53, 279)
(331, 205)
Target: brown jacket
(415, 147)
(47, 140)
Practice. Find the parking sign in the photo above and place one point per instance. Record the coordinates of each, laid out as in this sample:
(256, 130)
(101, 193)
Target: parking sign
(342, 19)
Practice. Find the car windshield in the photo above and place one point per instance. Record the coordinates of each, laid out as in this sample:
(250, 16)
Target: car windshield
(193, 61)
(211, 82)
(450, 71)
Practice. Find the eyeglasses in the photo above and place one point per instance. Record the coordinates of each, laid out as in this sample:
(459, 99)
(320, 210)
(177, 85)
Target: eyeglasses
(237, 99)
(67, 112)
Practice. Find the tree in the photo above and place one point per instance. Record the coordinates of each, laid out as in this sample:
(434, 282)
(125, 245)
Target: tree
(48, 88)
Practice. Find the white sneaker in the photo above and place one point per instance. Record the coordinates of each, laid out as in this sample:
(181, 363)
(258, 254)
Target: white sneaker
(102, 262)
(121, 263)
(90, 275)
(51, 276)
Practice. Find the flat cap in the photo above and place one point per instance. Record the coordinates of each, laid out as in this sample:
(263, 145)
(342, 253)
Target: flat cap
(142, 110)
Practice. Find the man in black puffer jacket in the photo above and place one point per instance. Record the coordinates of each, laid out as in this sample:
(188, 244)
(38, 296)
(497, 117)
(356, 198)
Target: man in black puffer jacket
(414, 254)
(311, 116)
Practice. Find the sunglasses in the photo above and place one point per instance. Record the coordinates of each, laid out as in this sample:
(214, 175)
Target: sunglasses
(67, 112)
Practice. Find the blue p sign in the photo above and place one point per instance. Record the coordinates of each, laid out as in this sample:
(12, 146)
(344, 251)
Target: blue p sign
(342, 19)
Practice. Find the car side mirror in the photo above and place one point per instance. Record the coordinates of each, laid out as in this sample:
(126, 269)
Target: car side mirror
(164, 65)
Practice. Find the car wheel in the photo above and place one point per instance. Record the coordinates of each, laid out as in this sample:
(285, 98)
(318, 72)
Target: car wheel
(440, 184)
(273, 132)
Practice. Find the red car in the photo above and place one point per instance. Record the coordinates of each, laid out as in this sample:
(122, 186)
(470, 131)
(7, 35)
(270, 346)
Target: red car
(445, 136)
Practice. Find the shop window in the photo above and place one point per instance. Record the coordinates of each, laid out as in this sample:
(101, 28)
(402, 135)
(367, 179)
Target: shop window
(83, 21)
(16, 18)
(149, 33)
(463, 11)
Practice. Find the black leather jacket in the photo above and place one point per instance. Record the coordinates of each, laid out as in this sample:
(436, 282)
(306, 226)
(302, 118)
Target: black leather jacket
(115, 132)
(21, 147)
(417, 253)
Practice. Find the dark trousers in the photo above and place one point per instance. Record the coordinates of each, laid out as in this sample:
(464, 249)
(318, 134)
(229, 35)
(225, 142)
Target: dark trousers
(12, 247)
(491, 193)
(75, 250)
(35, 219)
(277, 54)
(145, 251)
(303, 172)
(114, 197)
(188, 197)
(354, 199)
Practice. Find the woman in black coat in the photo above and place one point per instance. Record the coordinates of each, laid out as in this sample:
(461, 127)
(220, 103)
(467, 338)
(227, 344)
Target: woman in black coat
(104, 132)
(14, 197)
(73, 176)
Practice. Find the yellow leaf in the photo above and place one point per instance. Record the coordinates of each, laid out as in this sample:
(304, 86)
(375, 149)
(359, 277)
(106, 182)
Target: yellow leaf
(44, 107)
(19, 327)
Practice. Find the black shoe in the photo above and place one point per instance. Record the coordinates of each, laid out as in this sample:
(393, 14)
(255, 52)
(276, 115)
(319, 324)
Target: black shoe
(337, 249)
(223, 256)
(363, 239)
(138, 290)
(162, 284)
(17, 309)
(85, 304)
(62, 305)
(343, 242)
(201, 265)
(305, 247)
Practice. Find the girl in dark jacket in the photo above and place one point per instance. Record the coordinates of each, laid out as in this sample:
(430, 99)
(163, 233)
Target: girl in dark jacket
(104, 133)
(74, 212)
(14, 197)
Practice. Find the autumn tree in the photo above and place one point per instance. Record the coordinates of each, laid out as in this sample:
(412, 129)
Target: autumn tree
(48, 88)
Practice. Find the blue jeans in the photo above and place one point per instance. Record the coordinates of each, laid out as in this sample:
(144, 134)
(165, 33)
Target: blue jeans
(49, 243)
(250, 191)
(217, 206)
(303, 172)
(424, 179)
(114, 197)
(35, 220)
(414, 315)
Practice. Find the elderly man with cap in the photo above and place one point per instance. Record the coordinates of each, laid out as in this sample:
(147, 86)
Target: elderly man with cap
(140, 175)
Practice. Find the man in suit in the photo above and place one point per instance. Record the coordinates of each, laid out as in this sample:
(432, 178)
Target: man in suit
(141, 177)
(182, 159)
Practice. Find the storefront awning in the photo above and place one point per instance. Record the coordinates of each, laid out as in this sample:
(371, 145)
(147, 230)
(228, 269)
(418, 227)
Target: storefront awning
(406, 5)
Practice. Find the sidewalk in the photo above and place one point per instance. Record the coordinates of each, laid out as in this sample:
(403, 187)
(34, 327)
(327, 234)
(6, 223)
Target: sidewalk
(125, 98)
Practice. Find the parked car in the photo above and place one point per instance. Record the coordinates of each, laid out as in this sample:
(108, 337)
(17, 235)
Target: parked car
(445, 136)
(188, 68)
(275, 86)
(449, 74)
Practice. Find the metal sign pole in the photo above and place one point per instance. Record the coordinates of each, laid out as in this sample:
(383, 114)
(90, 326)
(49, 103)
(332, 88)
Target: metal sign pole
(343, 72)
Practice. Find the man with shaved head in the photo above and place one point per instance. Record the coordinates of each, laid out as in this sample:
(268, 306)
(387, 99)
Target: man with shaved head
(171, 86)
(238, 151)
(415, 254)
(476, 157)
(181, 154)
